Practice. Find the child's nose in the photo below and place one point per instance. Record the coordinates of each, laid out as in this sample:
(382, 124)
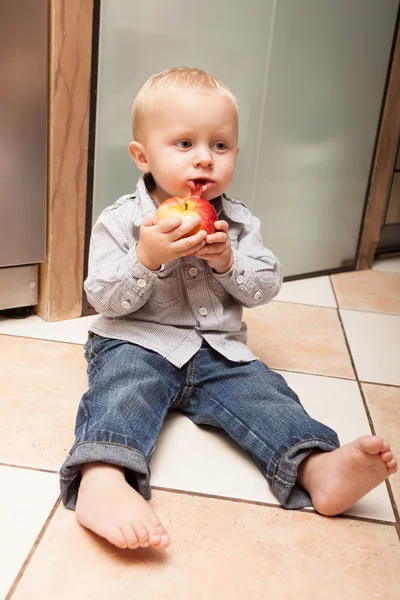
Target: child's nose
(203, 158)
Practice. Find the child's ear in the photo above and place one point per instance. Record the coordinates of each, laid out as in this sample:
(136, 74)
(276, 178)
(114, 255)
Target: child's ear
(138, 153)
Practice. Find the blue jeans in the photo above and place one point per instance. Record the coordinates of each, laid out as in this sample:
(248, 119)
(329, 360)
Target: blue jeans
(131, 390)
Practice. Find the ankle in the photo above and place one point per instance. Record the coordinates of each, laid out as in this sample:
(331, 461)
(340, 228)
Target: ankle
(305, 473)
(99, 471)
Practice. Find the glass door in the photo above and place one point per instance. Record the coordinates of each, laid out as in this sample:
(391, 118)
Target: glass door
(309, 76)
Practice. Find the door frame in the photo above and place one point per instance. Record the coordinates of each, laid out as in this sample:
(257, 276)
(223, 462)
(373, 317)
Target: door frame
(383, 163)
(72, 103)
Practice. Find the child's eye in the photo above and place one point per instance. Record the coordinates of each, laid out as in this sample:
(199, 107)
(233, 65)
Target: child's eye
(184, 144)
(220, 146)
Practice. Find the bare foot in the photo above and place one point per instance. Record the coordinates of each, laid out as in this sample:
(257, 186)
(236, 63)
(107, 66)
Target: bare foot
(336, 480)
(110, 507)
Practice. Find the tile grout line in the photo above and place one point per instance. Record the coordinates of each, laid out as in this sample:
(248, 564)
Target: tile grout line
(36, 469)
(310, 510)
(369, 416)
(32, 550)
(41, 339)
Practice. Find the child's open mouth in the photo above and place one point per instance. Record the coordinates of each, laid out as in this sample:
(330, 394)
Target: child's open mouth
(200, 185)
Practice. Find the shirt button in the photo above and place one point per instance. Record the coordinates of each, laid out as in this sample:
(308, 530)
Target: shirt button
(193, 271)
(125, 304)
(141, 283)
(240, 279)
(203, 311)
(257, 295)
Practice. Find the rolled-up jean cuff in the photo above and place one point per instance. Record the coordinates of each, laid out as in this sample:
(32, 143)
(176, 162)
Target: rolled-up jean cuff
(283, 480)
(107, 452)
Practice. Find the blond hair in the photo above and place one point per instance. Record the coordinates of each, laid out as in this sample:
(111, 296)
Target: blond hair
(178, 78)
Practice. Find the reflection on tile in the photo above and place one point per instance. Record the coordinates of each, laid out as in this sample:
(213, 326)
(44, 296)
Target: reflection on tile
(375, 291)
(387, 264)
(26, 500)
(299, 338)
(384, 407)
(204, 460)
(374, 341)
(41, 384)
(73, 331)
(316, 291)
(222, 550)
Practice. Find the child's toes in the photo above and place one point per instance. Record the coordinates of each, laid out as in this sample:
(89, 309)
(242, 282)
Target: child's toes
(130, 536)
(159, 538)
(386, 456)
(392, 465)
(165, 541)
(142, 535)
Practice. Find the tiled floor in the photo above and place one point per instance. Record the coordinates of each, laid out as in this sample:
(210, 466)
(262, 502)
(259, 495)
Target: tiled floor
(337, 342)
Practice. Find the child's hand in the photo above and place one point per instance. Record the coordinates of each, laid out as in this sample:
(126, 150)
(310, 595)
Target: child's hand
(218, 251)
(160, 241)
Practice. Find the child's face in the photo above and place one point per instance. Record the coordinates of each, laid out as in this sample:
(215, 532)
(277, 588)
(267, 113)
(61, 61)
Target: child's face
(188, 138)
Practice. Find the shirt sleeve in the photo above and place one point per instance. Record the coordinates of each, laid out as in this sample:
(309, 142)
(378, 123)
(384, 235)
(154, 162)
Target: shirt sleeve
(256, 275)
(117, 282)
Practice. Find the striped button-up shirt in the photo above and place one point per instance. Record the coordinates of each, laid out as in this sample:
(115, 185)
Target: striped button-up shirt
(173, 309)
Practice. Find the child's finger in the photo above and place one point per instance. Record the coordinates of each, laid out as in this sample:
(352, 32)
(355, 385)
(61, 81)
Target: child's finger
(195, 250)
(186, 244)
(215, 238)
(221, 225)
(169, 224)
(185, 228)
(150, 220)
(214, 249)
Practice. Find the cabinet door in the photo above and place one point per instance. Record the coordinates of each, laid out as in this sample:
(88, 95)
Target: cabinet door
(23, 131)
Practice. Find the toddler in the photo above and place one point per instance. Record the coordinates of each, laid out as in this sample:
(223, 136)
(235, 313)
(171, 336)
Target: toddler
(170, 332)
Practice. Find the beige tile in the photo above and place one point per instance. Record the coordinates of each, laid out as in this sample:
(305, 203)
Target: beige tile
(41, 384)
(293, 337)
(387, 264)
(374, 340)
(220, 550)
(375, 291)
(384, 406)
(73, 331)
(26, 500)
(316, 291)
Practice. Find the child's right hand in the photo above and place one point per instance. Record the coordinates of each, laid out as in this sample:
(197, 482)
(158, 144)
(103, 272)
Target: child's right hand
(160, 241)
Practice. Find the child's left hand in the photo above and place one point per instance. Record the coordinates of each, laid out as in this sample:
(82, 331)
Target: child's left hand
(218, 251)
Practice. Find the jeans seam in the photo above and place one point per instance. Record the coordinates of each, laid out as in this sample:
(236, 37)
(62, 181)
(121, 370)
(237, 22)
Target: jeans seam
(239, 420)
(274, 475)
(188, 388)
(103, 444)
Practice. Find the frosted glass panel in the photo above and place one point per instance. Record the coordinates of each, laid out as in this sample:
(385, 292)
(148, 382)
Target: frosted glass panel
(324, 94)
(138, 39)
(309, 76)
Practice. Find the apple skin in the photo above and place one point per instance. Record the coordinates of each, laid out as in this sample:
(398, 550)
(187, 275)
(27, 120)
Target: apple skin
(187, 207)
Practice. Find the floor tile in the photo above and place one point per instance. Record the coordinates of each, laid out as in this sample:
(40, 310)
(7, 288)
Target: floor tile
(204, 460)
(374, 341)
(299, 338)
(384, 407)
(387, 264)
(374, 291)
(73, 331)
(41, 384)
(316, 291)
(220, 550)
(26, 500)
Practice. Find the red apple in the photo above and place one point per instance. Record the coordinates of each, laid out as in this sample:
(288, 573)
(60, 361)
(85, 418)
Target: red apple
(187, 207)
